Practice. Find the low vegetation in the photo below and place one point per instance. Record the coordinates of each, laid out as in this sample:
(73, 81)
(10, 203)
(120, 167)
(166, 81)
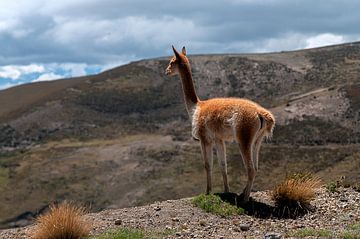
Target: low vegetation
(331, 187)
(352, 232)
(334, 186)
(295, 193)
(311, 232)
(356, 187)
(63, 221)
(131, 233)
(4, 175)
(213, 204)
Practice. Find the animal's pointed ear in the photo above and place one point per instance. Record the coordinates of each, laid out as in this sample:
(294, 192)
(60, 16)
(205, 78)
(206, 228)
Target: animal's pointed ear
(183, 51)
(176, 53)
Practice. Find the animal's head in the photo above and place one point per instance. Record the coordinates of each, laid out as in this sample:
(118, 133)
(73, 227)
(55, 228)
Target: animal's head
(176, 62)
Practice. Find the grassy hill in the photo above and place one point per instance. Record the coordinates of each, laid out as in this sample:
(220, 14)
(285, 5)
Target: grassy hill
(122, 138)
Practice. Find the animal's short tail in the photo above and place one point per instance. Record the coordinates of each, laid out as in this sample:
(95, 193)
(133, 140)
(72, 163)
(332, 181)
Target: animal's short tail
(267, 121)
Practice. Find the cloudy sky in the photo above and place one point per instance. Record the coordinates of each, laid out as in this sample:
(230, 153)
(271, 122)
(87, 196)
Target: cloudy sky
(50, 39)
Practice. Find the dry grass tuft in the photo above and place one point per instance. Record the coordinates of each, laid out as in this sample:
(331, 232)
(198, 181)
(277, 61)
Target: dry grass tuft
(295, 193)
(63, 221)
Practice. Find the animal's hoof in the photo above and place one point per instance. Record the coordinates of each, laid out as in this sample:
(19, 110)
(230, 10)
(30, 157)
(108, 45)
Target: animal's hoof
(242, 198)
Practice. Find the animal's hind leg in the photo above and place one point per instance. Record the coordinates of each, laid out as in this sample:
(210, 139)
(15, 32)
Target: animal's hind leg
(250, 169)
(256, 150)
(221, 154)
(206, 149)
(246, 137)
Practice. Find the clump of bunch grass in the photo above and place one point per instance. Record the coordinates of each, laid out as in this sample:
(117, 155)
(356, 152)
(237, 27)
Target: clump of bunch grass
(62, 221)
(296, 192)
(213, 204)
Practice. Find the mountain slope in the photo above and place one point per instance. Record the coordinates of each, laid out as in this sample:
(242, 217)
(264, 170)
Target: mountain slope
(122, 137)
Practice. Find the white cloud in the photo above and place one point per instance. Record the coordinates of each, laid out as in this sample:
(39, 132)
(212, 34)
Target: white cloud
(324, 40)
(143, 31)
(43, 72)
(288, 41)
(296, 41)
(7, 24)
(9, 72)
(14, 72)
(76, 69)
(48, 77)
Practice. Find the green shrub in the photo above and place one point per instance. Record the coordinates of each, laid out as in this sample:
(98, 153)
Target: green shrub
(213, 204)
(331, 187)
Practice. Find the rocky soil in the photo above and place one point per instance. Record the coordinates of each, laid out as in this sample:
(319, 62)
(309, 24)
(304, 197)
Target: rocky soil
(334, 212)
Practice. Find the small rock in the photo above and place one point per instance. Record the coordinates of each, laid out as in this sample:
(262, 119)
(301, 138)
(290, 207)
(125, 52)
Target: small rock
(273, 235)
(157, 208)
(244, 227)
(118, 222)
(184, 226)
(178, 234)
(175, 219)
(202, 223)
(236, 222)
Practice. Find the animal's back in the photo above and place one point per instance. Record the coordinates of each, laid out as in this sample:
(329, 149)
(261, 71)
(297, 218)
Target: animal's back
(220, 116)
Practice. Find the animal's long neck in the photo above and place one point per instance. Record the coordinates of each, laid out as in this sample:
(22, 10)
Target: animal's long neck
(190, 96)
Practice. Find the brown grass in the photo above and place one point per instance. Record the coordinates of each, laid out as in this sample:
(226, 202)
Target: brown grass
(63, 221)
(296, 191)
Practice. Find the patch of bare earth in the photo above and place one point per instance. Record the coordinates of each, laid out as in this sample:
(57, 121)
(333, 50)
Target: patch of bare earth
(333, 212)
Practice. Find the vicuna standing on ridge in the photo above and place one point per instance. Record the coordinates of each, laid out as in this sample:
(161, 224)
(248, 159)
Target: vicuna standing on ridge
(217, 120)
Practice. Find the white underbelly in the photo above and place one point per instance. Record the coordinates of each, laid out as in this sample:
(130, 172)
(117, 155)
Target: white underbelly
(195, 123)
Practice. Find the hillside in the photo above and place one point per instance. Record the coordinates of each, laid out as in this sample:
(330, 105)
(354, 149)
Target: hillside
(122, 138)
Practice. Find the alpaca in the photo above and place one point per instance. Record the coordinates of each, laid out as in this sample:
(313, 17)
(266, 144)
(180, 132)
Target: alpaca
(217, 120)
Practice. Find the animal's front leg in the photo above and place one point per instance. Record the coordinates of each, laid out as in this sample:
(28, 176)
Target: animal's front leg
(206, 149)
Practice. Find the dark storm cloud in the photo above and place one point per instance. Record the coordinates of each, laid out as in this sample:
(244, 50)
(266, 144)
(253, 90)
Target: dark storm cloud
(102, 32)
